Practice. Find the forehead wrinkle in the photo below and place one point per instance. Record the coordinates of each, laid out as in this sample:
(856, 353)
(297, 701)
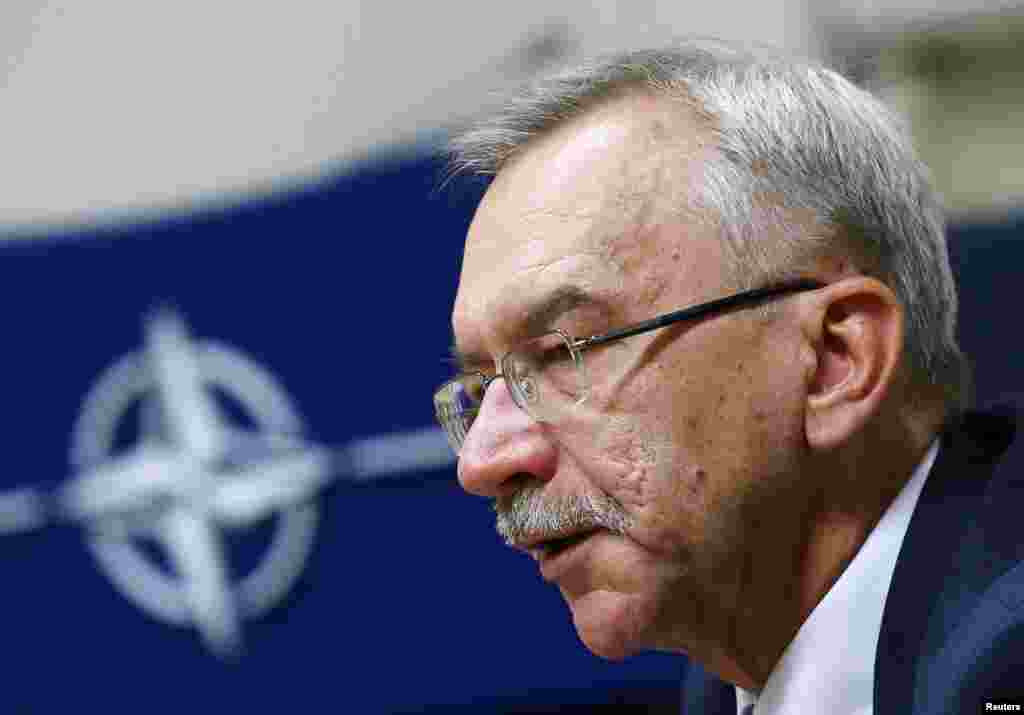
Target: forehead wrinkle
(536, 306)
(530, 304)
(539, 226)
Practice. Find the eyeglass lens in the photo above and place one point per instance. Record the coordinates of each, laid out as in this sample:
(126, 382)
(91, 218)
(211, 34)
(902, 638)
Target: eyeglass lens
(542, 375)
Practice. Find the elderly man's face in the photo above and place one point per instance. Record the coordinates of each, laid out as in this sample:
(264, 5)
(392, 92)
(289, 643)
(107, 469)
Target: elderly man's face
(689, 432)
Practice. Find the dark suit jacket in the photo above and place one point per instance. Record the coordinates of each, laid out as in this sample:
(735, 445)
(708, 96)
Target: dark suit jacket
(953, 626)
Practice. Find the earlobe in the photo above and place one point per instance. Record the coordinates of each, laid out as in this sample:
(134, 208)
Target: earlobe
(856, 334)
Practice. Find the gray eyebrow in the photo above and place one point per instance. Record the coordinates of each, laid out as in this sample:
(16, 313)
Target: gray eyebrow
(554, 305)
(540, 315)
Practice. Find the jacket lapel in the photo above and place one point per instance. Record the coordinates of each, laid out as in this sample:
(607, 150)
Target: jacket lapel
(926, 571)
(705, 694)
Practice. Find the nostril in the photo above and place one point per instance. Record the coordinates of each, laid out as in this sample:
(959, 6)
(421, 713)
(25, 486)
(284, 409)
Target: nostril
(515, 484)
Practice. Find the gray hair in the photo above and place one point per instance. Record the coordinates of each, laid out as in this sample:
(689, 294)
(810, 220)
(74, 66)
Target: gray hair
(791, 136)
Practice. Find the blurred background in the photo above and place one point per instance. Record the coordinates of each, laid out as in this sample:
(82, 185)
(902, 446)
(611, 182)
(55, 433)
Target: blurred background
(228, 264)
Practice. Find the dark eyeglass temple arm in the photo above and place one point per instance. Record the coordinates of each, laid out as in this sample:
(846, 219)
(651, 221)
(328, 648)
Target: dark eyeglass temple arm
(716, 306)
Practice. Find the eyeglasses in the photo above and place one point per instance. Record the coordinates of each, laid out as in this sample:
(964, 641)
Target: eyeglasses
(546, 375)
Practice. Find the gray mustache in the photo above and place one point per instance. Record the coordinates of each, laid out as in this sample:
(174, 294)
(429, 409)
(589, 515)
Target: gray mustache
(529, 515)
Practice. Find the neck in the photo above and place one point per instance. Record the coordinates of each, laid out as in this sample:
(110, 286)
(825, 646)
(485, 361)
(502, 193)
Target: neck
(847, 493)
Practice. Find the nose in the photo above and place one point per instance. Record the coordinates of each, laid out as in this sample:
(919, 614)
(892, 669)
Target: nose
(503, 445)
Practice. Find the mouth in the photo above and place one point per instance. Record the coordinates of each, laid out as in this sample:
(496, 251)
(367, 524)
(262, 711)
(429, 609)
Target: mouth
(547, 549)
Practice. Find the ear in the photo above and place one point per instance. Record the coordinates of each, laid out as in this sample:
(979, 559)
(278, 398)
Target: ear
(854, 328)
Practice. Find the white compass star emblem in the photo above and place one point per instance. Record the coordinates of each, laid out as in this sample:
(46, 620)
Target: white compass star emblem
(193, 471)
(191, 474)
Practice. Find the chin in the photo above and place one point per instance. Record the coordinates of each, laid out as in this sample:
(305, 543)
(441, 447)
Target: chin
(611, 625)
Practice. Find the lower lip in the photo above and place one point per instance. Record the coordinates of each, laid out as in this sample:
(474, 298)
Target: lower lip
(553, 567)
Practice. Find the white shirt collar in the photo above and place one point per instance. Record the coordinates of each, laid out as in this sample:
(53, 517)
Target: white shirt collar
(829, 666)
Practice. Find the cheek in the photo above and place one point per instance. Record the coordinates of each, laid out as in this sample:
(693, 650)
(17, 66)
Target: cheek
(743, 411)
(626, 465)
(623, 461)
(661, 492)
